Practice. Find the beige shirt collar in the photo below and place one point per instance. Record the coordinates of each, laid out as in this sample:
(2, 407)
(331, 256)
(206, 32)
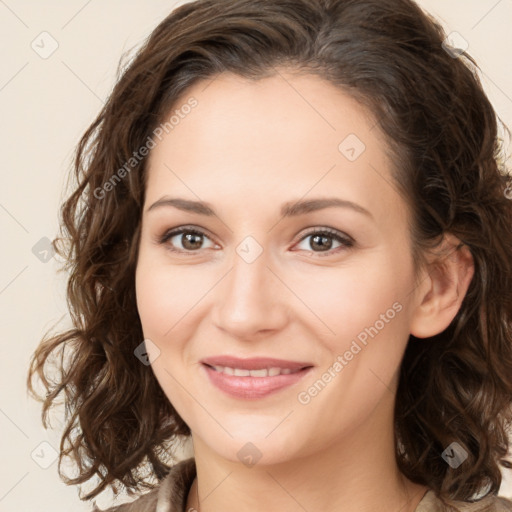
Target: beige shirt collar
(173, 493)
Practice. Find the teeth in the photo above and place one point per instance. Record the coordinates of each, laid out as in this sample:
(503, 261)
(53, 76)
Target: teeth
(259, 373)
(264, 372)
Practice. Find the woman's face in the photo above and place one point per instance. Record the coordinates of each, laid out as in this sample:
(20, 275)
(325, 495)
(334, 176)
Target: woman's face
(303, 256)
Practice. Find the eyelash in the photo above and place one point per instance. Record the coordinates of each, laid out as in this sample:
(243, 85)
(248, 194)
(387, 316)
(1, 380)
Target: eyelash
(345, 241)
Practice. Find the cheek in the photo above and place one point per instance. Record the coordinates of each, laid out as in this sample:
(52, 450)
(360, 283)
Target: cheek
(152, 301)
(342, 303)
(366, 313)
(166, 294)
(164, 302)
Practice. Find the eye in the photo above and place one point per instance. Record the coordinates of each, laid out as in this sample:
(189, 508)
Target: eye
(322, 239)
(189, 240)
(185, 240)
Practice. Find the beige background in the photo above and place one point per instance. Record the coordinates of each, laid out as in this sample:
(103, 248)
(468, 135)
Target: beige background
(46, 104)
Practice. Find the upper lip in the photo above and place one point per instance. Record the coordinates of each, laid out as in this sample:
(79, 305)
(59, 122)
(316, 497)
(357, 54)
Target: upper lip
(254, 363)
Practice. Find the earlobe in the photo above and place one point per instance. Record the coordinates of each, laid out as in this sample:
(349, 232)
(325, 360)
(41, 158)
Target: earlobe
(443, 288)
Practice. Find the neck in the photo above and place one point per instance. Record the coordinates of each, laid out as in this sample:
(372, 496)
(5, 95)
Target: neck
(357, 473)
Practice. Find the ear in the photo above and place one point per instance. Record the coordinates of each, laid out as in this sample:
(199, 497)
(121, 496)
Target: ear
(442, 288)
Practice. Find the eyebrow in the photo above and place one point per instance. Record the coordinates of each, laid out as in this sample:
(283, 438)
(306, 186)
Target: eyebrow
(289, 209)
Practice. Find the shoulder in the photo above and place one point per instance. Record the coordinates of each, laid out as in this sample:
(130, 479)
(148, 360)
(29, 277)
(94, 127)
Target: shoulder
(146, 503)
(170, 495)
(432, 503)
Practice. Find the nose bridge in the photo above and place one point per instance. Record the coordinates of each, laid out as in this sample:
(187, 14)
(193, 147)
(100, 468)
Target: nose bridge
(250, 300)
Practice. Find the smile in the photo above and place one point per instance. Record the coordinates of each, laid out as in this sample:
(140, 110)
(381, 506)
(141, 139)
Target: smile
(264, 372)
(254, 378)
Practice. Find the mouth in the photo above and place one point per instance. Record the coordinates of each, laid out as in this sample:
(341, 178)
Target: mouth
(263, 372)
(253, 378)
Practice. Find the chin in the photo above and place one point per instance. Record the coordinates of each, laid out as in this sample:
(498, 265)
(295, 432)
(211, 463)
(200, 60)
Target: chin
(258, 444)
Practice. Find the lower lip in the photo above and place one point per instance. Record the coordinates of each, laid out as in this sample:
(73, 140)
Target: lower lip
(253, 387)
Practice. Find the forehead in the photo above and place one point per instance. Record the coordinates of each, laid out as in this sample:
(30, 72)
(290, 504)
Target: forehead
(282, 135)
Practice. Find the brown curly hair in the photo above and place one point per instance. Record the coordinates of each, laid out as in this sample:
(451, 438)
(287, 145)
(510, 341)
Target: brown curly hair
(442, 133)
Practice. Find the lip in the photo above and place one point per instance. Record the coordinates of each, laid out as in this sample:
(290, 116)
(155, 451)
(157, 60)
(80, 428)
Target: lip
(253, 388)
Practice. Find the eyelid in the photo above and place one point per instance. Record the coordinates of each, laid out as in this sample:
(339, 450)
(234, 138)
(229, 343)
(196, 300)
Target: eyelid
(172, 232)
(346, 241)
(331, 231)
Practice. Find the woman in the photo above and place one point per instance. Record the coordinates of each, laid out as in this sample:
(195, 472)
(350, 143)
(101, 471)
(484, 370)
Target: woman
(290, 240)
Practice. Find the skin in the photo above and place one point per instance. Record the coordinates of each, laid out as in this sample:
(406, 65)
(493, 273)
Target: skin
(247, 148)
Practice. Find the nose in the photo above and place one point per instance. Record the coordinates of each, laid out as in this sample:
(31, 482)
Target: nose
(251, 299)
